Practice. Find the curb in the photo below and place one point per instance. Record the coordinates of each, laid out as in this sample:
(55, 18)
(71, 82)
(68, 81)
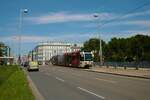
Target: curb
(33, 87)
(119, 74)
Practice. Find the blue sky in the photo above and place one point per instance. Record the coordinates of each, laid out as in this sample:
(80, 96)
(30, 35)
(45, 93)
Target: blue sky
(70, 20)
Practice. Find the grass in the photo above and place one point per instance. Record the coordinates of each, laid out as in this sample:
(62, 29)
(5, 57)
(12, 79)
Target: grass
(13, 84)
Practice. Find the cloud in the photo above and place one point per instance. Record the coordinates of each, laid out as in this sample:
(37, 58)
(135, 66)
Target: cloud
(120, 19)
(35, 39)
(29, 39)
(73, 37)
(24, 39)
(60, 17)
(134, 32)
(140, 22)
(137, 14)
(143, 23)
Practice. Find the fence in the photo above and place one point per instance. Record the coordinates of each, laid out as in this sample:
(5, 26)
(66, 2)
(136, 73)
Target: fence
(144, 64)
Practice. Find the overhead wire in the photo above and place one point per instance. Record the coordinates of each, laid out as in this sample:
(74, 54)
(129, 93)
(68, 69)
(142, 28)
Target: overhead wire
(125, 14)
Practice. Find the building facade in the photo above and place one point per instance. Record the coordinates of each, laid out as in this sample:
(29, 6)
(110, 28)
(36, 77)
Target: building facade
(44, 51)
(5, 57)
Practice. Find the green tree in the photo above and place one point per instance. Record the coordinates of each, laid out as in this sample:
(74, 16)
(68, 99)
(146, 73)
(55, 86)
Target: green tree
(129, 49)
(1, 50)
(140, 47)
(135, 48)
(93, 44)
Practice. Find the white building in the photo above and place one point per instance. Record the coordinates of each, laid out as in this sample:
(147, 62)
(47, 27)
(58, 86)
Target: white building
(44, 51)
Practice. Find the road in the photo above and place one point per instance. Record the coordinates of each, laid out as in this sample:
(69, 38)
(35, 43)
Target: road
(63, 83)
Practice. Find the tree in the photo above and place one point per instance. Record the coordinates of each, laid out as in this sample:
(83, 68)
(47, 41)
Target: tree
(93, 44)
(1, 50)
(135, 48)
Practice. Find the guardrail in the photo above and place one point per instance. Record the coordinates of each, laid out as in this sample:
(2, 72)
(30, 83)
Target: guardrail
(136, 65)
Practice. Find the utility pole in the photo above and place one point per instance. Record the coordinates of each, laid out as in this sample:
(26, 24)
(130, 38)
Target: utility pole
(22, 12)
(100, 50)
(100, 44)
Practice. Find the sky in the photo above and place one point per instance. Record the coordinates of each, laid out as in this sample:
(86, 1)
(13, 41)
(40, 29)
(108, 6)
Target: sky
(70, 21)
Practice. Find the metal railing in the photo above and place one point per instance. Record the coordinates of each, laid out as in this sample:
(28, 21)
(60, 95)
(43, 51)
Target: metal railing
(125, 65)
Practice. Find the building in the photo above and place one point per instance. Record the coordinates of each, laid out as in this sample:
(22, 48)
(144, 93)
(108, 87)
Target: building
(44, 51)
(76, 47)
(6, 57)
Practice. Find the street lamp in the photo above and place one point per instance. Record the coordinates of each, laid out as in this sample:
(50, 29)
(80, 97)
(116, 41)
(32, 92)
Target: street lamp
(100, 44)
(22, 12)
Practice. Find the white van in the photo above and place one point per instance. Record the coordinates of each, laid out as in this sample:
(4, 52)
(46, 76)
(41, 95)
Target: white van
(33, 65)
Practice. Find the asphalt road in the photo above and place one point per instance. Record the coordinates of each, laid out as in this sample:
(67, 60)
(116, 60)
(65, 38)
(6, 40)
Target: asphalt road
(63, 83)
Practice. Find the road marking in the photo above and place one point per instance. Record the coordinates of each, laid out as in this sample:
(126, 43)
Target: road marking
(60, 79)
(99, 96)
(106, 80)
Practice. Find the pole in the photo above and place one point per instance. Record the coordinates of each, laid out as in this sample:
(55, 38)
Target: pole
(22, 11)
(101, 55)
(19, 40)
(100, 44)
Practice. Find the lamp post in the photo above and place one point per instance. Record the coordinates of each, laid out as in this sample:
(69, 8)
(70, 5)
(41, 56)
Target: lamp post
(100, 44)
(22, 12)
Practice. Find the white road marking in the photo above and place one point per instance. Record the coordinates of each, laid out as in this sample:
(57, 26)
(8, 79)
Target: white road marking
(99, 96)
(60, 79)
(106, 80)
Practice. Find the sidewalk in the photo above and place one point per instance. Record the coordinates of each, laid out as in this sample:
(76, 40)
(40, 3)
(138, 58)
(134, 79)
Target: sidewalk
(141, 73)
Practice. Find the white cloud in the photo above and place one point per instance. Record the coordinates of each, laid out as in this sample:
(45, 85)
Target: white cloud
(140, 22)
(134, 32)
(143, 23)
(36, 39)
(120, 19)
(60, 17)
(106, 36)
(28, 38)
(137, 14)
(24, 39)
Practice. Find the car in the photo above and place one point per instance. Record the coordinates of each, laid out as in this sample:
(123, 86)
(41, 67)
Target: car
(33, 65)
(40, 63)
(26, 64)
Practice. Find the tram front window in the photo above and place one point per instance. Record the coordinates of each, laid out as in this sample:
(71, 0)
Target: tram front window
(88, 57)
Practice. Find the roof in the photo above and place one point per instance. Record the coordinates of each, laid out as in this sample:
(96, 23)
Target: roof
(7, 57)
